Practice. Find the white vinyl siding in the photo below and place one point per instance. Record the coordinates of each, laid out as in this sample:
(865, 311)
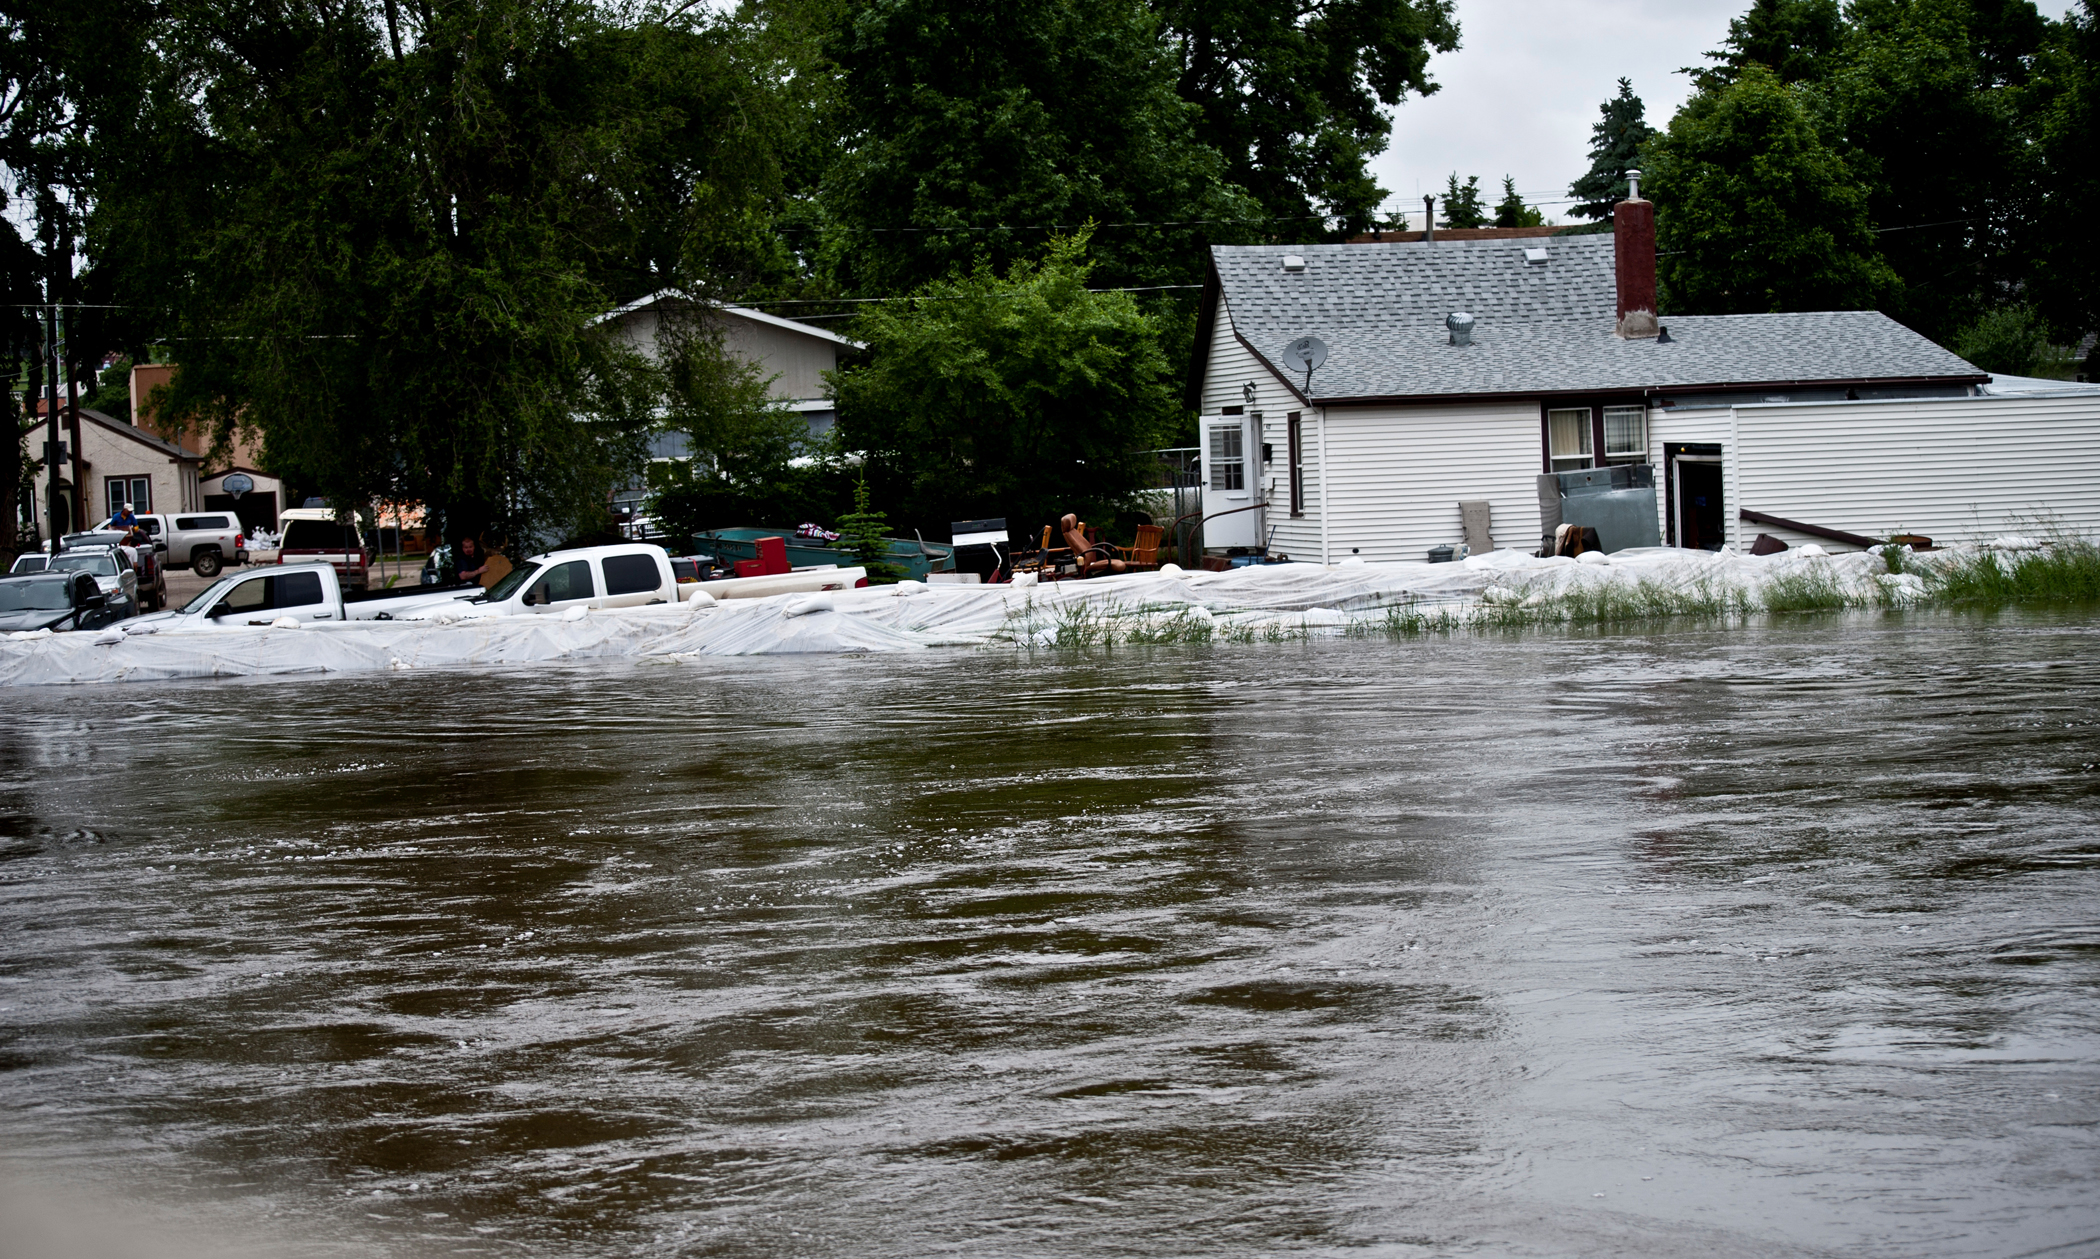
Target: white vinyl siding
(1669, 428)
(1231, 366)
(1399, 474)
(1954, 469)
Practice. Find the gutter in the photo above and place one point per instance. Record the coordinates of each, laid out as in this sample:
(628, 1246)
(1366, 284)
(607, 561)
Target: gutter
(1644, 391)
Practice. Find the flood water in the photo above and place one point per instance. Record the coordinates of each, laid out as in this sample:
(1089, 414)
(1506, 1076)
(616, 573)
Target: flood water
(1777, 941)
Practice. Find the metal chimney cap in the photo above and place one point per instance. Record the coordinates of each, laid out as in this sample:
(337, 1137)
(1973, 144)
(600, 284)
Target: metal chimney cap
(1461, 325)
(1633, 185)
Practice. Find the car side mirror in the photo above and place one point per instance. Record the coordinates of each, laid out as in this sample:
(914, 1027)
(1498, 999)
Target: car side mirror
(95, 600)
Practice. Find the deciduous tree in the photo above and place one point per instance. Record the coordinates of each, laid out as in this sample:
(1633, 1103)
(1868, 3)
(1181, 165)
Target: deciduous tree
(1022, 395)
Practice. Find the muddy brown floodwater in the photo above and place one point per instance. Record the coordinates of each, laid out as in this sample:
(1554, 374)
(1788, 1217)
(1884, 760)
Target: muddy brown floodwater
(1779, 941)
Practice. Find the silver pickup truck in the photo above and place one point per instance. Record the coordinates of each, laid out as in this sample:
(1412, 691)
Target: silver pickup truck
(204, 541)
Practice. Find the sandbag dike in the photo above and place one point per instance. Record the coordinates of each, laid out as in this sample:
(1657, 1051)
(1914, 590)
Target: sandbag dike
(1269, 602)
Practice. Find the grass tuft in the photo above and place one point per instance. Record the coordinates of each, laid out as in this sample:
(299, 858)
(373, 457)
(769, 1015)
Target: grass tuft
(2067, 572)
(1810, 590)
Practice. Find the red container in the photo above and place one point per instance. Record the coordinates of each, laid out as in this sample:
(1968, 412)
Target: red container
(772, 556)
(750, 568)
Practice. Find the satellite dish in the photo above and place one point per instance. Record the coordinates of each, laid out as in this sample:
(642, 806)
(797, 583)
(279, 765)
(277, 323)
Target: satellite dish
(1305, 354)
(238, 483)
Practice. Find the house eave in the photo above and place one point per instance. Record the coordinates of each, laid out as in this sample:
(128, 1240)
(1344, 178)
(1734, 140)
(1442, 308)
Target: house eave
(1507, 395)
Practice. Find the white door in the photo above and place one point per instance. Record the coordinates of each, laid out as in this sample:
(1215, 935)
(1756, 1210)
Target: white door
(561, 587)
(1231, 452)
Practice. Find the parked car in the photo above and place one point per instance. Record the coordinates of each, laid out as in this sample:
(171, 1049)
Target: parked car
(314, 533)
(58, 600)
(29, 562)
(203, 543)
(118, 580)
(144, 560)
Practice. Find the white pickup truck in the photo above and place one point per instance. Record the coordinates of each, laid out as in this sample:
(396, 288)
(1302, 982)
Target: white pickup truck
(629, 575)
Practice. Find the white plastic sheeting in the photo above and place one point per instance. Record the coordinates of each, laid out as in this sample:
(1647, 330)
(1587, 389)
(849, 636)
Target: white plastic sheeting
(913, 617)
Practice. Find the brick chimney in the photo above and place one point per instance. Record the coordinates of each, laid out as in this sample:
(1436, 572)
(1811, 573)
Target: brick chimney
(1633, 233)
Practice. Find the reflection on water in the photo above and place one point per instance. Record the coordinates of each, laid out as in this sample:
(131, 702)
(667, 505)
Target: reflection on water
(1758, 942)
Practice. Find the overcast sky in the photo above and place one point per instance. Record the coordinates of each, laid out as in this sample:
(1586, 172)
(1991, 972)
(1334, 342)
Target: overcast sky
(1521, 93)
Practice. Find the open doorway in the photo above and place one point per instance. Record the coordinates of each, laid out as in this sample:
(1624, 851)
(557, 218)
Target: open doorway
(1698, 518)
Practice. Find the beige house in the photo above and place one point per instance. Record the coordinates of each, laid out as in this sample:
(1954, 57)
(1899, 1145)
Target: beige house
(793, 355)
(258, 504)
(123, 464)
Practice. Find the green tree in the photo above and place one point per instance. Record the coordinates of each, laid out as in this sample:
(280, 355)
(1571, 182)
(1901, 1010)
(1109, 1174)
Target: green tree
(1615, 148)
(1939, 145)
(1462, 207)
(382, 236)
(1291, 94)
(866, 532)
(2012, 340)
(2060, 254)
(1798, 41)
(1511, 210)
(754, 460)
(1022, 395)
(970, 126)
(1755, 211)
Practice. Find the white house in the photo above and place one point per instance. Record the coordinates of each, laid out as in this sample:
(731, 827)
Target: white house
(1844, 421)
(120, 464)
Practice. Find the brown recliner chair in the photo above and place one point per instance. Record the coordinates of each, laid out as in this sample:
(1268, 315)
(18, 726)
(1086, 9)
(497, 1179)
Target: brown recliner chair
(1091, 557)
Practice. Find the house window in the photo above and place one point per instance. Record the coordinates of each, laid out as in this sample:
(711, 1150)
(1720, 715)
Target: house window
(1228, 459)
(1625, 433)
(1568, 438)
(136, 490)
(1295, 445)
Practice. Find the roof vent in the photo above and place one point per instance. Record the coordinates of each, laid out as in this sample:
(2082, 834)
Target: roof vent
(1535, 255)
(1293, 262)
(1461, 325)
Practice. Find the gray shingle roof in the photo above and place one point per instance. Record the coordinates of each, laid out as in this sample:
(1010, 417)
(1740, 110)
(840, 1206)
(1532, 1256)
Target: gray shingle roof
(1542, 327)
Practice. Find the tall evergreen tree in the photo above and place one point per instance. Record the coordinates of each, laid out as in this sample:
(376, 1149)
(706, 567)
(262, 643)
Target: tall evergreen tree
(1511, 210)
(1462, 206)
(1615, 147)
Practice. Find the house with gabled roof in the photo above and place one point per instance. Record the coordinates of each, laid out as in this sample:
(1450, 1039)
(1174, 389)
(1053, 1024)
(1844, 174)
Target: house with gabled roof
(1474, 371)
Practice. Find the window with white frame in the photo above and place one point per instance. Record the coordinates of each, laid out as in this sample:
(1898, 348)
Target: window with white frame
(136, 490)
(1228, 458)
(1625, 432)
(1568, 438)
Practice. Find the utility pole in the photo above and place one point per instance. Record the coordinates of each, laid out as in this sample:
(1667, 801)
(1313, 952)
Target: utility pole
(65, 254)
(54, 504)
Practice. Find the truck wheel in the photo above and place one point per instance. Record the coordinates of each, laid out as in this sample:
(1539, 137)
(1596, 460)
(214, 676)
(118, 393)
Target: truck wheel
(205, 563)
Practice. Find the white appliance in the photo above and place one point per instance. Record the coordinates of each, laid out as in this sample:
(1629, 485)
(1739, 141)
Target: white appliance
(1232, 478)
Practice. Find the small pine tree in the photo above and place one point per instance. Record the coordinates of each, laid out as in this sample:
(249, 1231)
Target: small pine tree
(1615, 148)
(1512, 212)
(1462, 206)
(865, 532)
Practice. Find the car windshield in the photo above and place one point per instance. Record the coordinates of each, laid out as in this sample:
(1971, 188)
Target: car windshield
(101, 564)
(319, 535)
(512, 580)
(30, 563)
(33, 596)
(211, 593)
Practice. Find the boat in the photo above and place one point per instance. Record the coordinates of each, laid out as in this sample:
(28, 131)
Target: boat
(910, 556)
